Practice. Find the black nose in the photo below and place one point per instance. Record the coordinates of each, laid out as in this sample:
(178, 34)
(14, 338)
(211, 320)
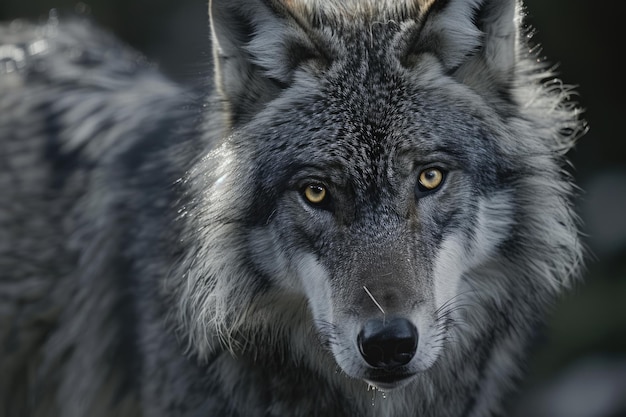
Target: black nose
(387, 344)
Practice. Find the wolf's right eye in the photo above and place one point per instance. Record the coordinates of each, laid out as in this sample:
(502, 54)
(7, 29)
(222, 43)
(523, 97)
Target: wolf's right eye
(315, 194)
(429, 180)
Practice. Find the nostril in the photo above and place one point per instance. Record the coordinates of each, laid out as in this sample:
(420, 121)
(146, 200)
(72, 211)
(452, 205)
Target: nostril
(388, 344)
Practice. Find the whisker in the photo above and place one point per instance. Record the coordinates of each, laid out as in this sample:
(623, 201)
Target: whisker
(375, 302)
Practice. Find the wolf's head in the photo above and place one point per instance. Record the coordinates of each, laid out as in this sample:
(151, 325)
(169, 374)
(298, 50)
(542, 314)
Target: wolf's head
(392, 169)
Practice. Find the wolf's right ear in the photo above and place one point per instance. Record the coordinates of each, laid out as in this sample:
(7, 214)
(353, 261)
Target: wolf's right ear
(257, 45)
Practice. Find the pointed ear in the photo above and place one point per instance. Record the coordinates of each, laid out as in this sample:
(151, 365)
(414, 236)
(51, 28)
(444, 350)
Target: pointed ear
(475, 40)
(257, 45)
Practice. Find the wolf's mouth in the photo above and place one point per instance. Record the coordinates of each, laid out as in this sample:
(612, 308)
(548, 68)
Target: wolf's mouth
(389, 381)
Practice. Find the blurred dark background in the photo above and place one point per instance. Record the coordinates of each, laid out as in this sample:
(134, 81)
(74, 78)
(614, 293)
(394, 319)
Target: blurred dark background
(580, 368)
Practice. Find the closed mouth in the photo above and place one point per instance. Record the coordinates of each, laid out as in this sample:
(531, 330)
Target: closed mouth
(388, 380)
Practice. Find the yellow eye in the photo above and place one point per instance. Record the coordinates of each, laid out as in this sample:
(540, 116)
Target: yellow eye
(315, 193)
(430, 178)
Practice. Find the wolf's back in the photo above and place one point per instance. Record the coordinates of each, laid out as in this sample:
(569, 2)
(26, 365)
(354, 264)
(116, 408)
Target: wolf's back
(83, 123)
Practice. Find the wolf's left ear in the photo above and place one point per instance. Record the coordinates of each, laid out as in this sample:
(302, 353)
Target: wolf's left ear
(257, 44)
(475, 40)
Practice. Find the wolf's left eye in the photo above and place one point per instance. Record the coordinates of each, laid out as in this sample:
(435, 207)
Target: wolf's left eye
(430, 179)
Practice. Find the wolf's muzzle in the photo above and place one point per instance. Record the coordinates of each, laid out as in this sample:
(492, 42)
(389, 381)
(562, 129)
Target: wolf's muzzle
(388, 344)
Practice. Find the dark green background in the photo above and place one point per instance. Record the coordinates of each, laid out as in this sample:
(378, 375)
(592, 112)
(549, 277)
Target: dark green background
(585, 40)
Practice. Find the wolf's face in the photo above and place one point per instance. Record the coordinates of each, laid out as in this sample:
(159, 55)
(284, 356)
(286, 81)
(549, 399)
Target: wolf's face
(380, 193)
(384, 200)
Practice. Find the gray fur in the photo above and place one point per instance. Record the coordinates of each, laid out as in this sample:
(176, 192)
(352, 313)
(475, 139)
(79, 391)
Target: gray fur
(158, 258)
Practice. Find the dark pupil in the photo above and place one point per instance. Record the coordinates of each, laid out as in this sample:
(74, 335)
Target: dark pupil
(317, 189)
(430, 175)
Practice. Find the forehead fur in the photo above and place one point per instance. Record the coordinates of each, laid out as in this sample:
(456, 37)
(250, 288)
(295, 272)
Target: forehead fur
(356, 10)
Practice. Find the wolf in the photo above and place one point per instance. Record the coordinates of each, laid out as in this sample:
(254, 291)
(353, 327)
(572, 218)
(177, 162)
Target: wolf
(365, 210)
